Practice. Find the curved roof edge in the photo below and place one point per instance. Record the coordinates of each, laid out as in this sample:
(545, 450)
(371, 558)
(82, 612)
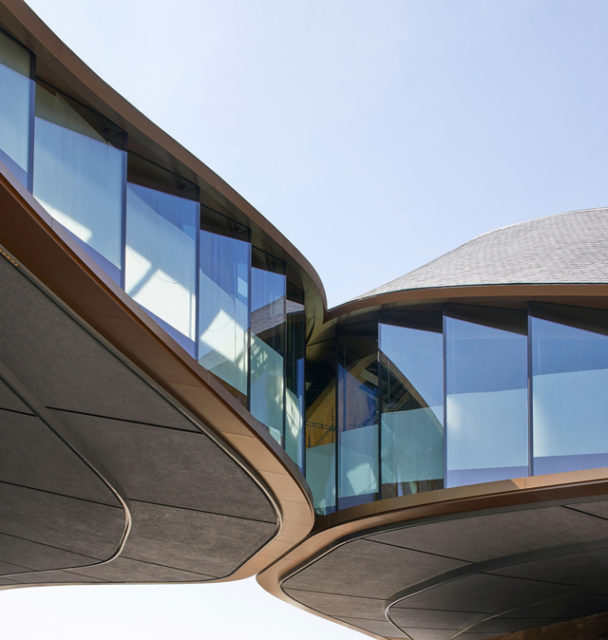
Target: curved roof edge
(567, 248)
(80, 81)
(342, 527)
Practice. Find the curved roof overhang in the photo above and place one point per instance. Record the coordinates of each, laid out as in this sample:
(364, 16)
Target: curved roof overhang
(34, 243)
(344, 530)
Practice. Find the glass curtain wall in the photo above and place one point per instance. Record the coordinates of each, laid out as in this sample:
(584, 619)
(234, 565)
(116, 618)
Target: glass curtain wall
(267, 350)
(569, 384)
(224, 309)
(411, 383)
(321, 424)
(357, 416)
(294, 382)
(16, 102)
(80, 176)
(486, 397)
(160, 259)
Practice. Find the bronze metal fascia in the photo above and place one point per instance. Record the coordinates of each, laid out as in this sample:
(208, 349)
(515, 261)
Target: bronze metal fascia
(578, 294)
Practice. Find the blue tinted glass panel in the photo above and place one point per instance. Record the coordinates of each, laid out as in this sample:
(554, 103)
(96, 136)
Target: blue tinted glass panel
(411, 375)
(487, 414)
(569, 399)
(160, 259)
(15, 106)
(294, 383)
(79, 178)
(224, 309)
(267, 387)
(357, 420)
(321, 425)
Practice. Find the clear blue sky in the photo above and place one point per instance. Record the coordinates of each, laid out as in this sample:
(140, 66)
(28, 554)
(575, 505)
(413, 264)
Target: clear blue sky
(375, 135)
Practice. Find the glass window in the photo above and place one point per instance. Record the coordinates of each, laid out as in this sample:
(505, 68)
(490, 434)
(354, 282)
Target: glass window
(411, 380)
(486, 403)
(79, 177)
(267, 389)
(358, 417)
(569, 383)
(224, 309)
(16, 89)
(294, 382)
(160, 259)
(321, 425)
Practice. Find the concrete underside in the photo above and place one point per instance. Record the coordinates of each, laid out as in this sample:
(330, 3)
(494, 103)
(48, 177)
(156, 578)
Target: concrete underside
(102, 477)
(473, 576)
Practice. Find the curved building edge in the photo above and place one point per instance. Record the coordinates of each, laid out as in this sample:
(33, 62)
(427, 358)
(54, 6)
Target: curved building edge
(340, 529)
(31, 239)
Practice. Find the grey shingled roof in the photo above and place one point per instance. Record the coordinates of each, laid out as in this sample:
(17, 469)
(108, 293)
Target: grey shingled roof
(566, 248)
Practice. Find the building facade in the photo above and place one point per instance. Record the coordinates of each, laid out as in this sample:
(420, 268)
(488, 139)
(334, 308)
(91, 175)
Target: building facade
(178, 404)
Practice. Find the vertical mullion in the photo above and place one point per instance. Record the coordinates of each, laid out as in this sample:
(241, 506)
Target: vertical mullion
(530, 399)
(249, 292)
(338, 406)
(285, 329)
(123, 225)
(445, 398)
(197, 282)
(32, 125)
(379, 407)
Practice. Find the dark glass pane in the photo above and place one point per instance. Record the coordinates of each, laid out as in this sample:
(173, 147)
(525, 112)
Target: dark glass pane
(16, 89)
(294, 381)
(267, 388)
(569, 399)
(411, 375)
(79, 177)
(160, 259)
(321, 425)
(487, 409)
(224, 309)
(357, 418)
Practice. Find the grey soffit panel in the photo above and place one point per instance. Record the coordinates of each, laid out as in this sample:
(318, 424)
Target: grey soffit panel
(501, 625)
(374, 626)
(38, 556)
(597, 508)
(565, 553)
(210, 544)
(587, 570)
(70, 524)
(196, 514)
(127, 570)
(10, 401)
(566, 248)
(53, 577)
(32, 455)
(480, 538)
(166, 466)
(573, 606)
(364, 568)
(64, 366)
(175, 545)
(430, 634)
(485, 593)
(434, 618)
(339, 606)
